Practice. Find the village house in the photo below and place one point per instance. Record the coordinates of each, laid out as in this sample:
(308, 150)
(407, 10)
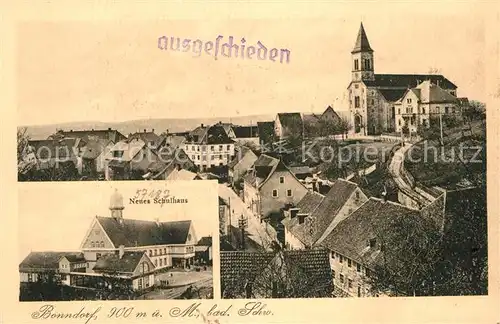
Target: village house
(288, 125)
(224, 216)
(356, 245)
(112, 135)
(266, 133)
(182, 174)
(209, 147)
(130, 159)
(425, 105)
(117, 248)
(152, 140)
(56, 153)
(269, 186)
(93, 154)
(277, 274)
(243, 160)
(248, 135)
(315, 216)
(170, 160)
(373, 97)
(203, 251)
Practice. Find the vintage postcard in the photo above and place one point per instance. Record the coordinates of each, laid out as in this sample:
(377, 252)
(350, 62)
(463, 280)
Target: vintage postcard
(272, 169)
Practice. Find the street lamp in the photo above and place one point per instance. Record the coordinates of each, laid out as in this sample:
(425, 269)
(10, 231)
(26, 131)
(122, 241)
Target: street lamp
(242, 224)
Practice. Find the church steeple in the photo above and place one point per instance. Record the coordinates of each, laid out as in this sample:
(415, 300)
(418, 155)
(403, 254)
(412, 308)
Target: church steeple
(362, 58)
(362, 43)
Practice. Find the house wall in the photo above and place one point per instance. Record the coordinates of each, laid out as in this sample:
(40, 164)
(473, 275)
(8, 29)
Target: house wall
(436, 212)
(407, 201)
(405, 112)
(101, 162)
(64, 265)
(23, 276)
(358, 278)
(208, 155)
(135, 282)
(96, 234)
(292, 242)
(357, 89)
(251, 198)
(270, 204)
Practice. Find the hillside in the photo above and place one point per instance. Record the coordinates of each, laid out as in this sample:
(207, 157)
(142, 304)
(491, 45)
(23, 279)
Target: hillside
(131, 126)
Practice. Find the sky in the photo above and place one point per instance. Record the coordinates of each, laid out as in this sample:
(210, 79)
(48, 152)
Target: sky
(109, 70)
(54, 216)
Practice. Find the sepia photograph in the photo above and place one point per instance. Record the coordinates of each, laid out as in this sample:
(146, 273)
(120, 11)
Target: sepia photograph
(121, 242)
(354, 167)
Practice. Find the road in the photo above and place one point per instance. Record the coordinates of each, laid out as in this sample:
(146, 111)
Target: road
(255, 229)
(403, 185)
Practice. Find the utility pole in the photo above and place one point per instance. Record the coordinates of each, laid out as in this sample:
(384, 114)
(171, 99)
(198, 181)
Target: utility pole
(242, 224)
(441, 125)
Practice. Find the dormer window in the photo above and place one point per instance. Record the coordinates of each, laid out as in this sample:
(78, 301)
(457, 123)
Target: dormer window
(302, 218)
(117, 154)
(372, 243)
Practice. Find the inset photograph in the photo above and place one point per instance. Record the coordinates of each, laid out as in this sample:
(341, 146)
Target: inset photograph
(126, 241)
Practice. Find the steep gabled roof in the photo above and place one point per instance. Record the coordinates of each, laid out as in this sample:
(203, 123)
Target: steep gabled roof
(258, 268)
(290, 120)
(246, 131)
(351, 236)
(432, 93)
(151, 138)
(48, 260)
(113, 263)
(362, 44)
(133, 232)
(205, 241)
(104, 134)
(322, 210)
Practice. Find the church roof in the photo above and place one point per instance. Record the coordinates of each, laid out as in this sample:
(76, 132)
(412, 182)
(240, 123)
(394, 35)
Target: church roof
(409, 81)
(133, 232)
(362, 44)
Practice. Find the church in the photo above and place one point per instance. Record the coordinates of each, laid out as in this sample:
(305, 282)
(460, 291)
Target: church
(375, 100)
(117, 249)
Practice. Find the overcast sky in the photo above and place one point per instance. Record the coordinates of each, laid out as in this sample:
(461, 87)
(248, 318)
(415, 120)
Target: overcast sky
(54, 216)
(111, 71)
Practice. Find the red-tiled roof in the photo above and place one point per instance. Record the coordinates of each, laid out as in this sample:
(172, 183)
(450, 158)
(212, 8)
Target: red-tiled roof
(132, 232)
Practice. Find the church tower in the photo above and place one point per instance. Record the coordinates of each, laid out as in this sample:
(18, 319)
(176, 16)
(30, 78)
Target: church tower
(116, 205)
(362, 58)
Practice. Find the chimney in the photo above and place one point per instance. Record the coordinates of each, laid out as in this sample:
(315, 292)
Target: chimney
(152, 130)
(167, 132)
(293, 212)
(121, 251)
(201, 125)
(144, 130)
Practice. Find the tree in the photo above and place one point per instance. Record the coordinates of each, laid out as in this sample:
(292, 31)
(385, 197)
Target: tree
(22, 142)
(410, 248)
(476, 110)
